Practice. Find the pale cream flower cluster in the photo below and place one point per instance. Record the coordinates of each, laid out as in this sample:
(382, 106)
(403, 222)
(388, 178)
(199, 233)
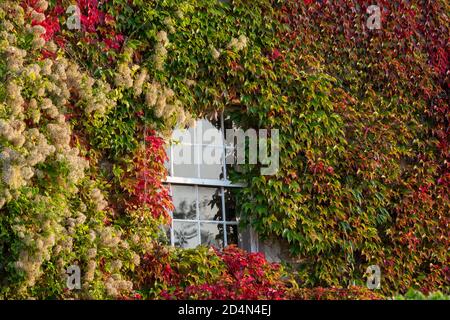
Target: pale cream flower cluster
(164, 104)
(14, 98)
(160, 56)
(90, 271)
(93, 93)
(45, 239)
(115, 285)
(54, 82)
(16, 173)
(139, 82)
(38, 33)
(116, 265)
(160, 99)
(168, 22)
(238, 44)
(13, 131)
(108, 237)
(123, 76)
(135, 259)
(38, 147)
(14, 56)
(33, 131)
(73, 222)
(39, 246)
(215, 53)
(42, 5)
(99, 201)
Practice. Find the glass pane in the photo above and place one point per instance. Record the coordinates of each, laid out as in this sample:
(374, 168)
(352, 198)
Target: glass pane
(232, 234)
(212, 163)
(230, 205)
(167, 162)
(184, 199)
(183, 136)
(212, 234)
(230, 155)
(210, 203)
(185, 234)
(209, 133)
(183, 161)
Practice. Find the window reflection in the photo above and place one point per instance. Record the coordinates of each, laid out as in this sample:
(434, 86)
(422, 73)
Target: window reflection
(230, 205)
(185, 202)
(210, 203)
(232, 234)
(185, 234)
(211, 234)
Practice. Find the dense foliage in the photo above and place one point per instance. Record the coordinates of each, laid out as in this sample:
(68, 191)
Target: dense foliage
(209, 274)
(56, 173)
(417, 295)
(364, 144)
(351, 293)
(85, 114)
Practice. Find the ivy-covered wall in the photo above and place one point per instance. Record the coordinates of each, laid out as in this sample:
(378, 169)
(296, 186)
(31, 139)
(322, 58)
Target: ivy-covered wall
(85, 111)
(364, 122)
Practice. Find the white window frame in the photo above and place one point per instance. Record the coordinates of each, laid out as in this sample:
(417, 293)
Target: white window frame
(214, 183)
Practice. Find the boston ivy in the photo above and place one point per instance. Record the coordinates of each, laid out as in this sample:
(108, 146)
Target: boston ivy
(364, 157)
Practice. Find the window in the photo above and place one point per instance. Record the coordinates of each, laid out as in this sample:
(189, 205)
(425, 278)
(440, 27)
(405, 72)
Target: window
(204, 211)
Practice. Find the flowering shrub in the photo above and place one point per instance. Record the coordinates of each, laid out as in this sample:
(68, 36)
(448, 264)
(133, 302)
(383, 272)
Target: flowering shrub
(57, 212)
(37, 11)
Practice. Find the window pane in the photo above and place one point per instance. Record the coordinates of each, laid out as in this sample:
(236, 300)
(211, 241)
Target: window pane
(208, 132)
(182, 136)
(185, 234)
(232, 234)
(212, 163)
(210, 203)
(183, 161)
(167, 162)
(230, 205)
(184, 199)
(212, 234)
